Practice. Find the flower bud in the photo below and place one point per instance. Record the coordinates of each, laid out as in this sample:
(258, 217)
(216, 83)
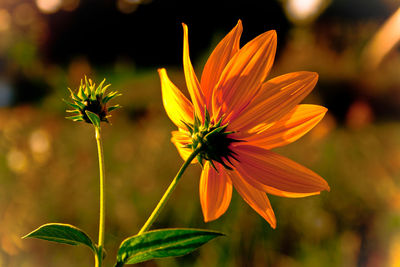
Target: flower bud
(90, 103)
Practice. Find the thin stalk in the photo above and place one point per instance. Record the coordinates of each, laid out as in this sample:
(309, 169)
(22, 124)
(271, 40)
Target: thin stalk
(100, 245)
(169, 191)
(96, 259)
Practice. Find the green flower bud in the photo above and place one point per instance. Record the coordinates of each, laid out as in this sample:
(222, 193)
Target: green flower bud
(90, 103)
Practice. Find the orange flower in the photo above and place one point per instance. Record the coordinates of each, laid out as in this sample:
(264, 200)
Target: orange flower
(237, 118)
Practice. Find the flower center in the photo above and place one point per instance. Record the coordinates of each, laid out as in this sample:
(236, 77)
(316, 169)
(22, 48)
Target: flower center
(214, 141)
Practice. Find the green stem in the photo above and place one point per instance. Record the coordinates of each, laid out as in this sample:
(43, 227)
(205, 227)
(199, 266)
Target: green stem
(169, 191)
(96, 259)
(100, 245)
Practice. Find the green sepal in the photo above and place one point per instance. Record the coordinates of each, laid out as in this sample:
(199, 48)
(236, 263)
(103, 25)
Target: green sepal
(219, 122)
(188, 126)
(92, 91)
(207, 118)
(110, 96)
(77, 105)
(99, 88)
(216, 131)
(92, 96)
(196, 124)
(75, 118)
(81, 105)
(200, 160)
(74, 96)
(62, 233)
(81, 92)
(87, 87)
(109, 109)
(103, 90)
(72, 110)
(162, 243)
(93, 118)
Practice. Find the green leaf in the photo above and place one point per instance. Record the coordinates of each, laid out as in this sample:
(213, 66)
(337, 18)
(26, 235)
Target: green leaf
(93, 118)
(162, 243)
(62, 233)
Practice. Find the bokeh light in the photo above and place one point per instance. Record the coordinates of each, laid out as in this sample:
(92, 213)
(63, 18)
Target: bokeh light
(5, 20)
(48, 6)
(17, 161)
(302, 11)
(359, 115)
(40, 145)
(24, 14)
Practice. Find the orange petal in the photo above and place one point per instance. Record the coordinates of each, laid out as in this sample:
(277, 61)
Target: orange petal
(241, 79)
(277, 97)
(218, 59)
(178, 107)
(215, 192)
(289, 128)
(280, 193)
(192, 82)
(268, 168)
(277, 192)
(257, 199)
(180, 139)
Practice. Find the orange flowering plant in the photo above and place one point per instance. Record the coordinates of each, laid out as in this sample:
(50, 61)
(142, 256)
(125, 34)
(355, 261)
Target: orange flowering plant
(229, 127)
(235, 118)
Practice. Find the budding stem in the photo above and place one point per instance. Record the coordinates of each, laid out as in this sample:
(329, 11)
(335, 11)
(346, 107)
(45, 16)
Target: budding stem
(100, 245)
(169, 191)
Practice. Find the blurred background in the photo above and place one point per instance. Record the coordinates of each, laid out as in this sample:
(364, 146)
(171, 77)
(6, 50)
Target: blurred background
(48, 165)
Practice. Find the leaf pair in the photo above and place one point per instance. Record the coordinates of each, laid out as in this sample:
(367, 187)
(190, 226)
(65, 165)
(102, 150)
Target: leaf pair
(149, 245)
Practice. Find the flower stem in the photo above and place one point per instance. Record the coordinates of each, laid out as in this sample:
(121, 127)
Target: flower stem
(96, 259)
(169, 191)
(100, 245)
